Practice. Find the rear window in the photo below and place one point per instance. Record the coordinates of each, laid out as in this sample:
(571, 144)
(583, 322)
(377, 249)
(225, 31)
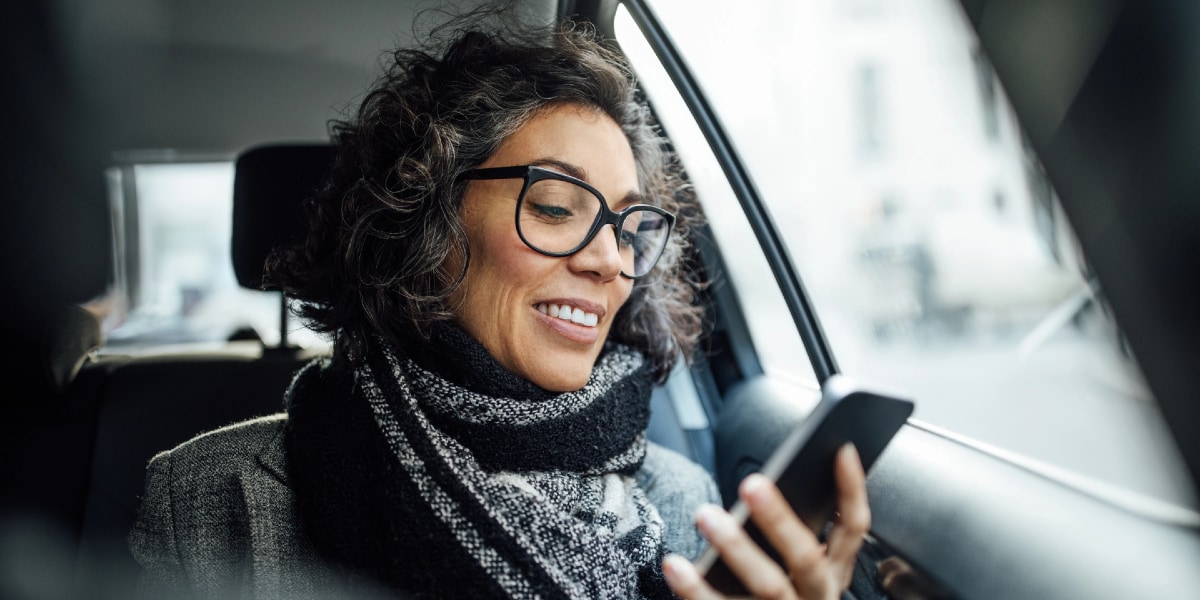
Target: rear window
(174, 281)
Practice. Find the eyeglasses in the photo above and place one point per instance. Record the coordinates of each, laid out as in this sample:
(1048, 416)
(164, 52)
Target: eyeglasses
(559, 215)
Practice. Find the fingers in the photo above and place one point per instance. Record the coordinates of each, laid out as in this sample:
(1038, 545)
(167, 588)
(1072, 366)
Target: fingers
(854, 521)
(759, 573)
(685, 580)
(816, 570)
(800, 550)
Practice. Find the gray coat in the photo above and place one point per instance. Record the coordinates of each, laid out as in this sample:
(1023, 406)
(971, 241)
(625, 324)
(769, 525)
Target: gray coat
(218, 512)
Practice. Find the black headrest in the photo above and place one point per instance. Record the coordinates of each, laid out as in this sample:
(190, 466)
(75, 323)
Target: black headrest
(269, 184)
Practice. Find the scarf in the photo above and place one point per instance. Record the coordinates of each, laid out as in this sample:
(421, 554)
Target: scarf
(445, 476)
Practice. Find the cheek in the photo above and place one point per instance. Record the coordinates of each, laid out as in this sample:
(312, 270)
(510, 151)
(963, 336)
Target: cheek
(619, 295)
(501, 255)
(624, 291)
(501, 266)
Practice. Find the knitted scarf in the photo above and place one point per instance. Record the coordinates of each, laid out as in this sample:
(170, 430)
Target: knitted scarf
(449, 477)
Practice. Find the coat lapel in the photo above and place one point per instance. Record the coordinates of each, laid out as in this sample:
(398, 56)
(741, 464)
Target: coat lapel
(282, 555)
(273, 457)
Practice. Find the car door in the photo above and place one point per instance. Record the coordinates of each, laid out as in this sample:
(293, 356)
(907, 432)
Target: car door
(923, 248)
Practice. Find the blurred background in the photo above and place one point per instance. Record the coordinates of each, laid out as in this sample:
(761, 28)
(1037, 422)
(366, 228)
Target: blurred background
(921, 220)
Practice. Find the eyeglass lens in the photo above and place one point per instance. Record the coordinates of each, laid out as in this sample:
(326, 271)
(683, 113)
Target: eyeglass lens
(556, 216)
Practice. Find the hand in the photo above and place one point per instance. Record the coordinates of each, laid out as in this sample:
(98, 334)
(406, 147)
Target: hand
(815, 571)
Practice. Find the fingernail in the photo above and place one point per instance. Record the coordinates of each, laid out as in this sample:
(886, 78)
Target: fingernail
(678, 571)
(850, 451)
(713, 520)
(753, 487)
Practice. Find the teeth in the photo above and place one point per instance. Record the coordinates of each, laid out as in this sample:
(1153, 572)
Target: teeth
(570, 313)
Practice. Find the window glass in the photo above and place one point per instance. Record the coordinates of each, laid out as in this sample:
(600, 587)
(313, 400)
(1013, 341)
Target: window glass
(929, 239)
(780, 350)
(174, 273)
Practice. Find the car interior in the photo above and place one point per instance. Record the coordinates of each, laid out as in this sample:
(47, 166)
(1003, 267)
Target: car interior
(95, 87)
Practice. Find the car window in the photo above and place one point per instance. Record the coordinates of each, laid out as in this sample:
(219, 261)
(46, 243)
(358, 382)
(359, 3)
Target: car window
(779, 350)
(173, 277)
(929, 239)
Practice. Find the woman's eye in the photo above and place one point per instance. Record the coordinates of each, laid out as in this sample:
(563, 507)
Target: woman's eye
(627, 238)
(551, 211)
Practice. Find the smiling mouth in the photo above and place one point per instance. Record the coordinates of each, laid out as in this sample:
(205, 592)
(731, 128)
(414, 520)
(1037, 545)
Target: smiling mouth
(566, 312)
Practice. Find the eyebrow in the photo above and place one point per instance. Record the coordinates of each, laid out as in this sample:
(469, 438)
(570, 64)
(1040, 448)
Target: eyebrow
(629, 200)
(580, 173)
(575, 171)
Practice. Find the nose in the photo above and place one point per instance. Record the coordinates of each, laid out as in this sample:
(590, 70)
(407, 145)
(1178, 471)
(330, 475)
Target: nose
(600, 257)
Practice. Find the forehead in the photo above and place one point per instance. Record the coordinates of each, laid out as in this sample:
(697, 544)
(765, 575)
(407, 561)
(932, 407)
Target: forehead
(580, 136)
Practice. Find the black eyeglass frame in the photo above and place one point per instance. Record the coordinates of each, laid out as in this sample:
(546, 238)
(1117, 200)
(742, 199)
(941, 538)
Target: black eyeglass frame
(533, 173)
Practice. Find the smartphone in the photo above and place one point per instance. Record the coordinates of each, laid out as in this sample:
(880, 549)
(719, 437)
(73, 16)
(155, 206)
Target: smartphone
(802, 465)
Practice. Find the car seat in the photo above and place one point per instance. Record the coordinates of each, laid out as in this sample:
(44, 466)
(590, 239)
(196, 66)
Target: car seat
(146, 404)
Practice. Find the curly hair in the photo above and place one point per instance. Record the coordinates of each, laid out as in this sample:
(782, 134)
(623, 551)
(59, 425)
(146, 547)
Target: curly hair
(381, 230)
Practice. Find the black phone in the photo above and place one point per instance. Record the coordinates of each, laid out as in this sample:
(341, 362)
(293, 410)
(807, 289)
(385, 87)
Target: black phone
(802, 465)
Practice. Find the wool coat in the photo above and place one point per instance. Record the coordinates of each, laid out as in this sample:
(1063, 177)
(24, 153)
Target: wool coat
(219, 520)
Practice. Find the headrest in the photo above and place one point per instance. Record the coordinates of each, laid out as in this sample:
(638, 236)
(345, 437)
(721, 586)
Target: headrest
(269, 184)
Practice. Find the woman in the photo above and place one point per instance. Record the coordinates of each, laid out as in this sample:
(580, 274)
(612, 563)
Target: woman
(500, 259)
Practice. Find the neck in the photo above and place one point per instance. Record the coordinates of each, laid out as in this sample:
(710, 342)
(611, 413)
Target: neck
(459, 358)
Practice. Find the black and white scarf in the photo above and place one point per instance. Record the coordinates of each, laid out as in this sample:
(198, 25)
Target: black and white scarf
(448, 477)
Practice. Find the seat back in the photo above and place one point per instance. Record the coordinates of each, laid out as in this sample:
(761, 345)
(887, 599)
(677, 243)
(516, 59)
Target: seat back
(147, 404)
(46, 434)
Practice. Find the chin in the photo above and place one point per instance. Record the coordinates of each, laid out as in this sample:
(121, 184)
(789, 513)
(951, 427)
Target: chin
(562, 385)
(559, 381)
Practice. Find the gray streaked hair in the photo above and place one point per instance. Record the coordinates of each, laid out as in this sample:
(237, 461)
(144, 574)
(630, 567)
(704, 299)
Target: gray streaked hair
(381, 231)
